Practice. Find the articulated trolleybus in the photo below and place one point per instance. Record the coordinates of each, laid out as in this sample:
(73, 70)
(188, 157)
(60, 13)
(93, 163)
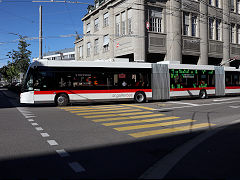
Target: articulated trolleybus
(63, 82)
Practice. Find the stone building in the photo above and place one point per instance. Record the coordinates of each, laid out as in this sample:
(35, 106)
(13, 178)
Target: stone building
(189, 31)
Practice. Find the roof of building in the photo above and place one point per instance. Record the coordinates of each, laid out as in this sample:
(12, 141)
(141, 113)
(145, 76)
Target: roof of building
(59, 51)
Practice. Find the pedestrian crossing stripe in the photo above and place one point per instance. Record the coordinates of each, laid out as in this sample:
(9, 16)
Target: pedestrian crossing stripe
(142, 107)
(95, 110)
(90, 107)
(139, 121)
(127, 128)
(124, 114)
(127, 118)
(109, 112)
(170, 130)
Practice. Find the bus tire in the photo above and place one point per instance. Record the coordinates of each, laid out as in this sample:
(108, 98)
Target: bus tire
(203, 94)
(62, 99)
(140, 97)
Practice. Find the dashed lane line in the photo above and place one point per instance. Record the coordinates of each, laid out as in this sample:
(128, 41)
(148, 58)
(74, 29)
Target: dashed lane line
(52, 142)
(63, 153)
(170, 130)
(129, 117)
(76, 167)
(110, 115)
(139, 121)
(127, 128)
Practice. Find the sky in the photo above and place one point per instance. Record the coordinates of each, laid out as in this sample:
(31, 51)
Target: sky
(60, 23)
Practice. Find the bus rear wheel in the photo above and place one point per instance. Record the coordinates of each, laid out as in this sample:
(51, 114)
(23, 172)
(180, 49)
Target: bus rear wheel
(203, 94)
(62, 100)
(140, 97)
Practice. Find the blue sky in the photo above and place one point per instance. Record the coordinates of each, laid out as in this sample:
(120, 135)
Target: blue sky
(22, 17)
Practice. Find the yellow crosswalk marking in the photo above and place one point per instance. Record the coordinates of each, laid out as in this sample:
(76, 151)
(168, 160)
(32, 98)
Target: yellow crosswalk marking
(95, 110)
(109, 115)
(90, 107)
(127, 128)
(130, 117)
(142, 107)
(170, 130)
(139, 121)
(109, 112)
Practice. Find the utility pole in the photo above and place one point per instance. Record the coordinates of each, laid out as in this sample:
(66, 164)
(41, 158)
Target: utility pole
(40, 32)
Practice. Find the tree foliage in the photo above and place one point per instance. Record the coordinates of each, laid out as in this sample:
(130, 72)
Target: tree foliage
(20, 61)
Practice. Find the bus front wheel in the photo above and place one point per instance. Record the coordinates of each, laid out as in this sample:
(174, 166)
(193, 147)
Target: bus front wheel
(61, 100)
(140, 97)
(203, 94)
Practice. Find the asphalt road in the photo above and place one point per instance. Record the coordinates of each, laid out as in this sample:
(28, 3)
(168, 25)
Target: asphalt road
(177, 139)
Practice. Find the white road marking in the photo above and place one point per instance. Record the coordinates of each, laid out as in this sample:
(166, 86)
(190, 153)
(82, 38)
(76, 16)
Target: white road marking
(160, 169)
(29, 117)
(235, 107)
(62, 153)
(225, 99)
(179, 107)
(34, 124)
(174, 102)
(39, 128)
(52, 142)
(44, 134)
(76, 167)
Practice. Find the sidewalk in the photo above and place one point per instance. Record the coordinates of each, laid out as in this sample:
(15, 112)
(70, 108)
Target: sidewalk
(215, 157)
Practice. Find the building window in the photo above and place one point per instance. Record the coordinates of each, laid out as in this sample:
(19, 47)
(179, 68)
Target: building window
(88, 49)
(117, 25)
(80, 51)
(194, 25)
(155, 21)
(88, 28)
(211, 2)
(218, 30)
(238, 34)
(232, 5)
(238, 6)
(211, 28)
(129, 16)
(96, 46)
(105, 43)
(105, 20)
(233, 33)
(123, 27)
(96, 24)
(185, 23)
(217, 3)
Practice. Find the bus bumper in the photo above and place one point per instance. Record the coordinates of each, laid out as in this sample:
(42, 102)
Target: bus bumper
(27, 97)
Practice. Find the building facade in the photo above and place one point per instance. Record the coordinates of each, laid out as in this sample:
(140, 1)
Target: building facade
(63, 54)
(190, 31)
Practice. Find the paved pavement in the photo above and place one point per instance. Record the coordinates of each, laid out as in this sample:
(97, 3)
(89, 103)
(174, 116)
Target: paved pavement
(213, 154)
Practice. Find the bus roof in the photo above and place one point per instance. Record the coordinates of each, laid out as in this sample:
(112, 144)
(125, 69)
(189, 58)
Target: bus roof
(74, 63)
(109, 64)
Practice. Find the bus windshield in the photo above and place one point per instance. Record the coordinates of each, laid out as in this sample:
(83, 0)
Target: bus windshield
(28, 81)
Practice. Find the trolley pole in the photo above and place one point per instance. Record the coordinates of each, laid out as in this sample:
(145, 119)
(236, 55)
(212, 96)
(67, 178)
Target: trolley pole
(40, 32)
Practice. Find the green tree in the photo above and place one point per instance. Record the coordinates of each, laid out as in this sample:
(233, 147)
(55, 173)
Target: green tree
(20, 61)
(21, 58)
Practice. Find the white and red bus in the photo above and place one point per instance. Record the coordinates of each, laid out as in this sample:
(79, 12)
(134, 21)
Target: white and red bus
(63, 82)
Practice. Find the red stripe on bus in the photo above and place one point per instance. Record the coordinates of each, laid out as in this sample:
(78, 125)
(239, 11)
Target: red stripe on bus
(233, 87)
(190, 89)
(91, 91)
